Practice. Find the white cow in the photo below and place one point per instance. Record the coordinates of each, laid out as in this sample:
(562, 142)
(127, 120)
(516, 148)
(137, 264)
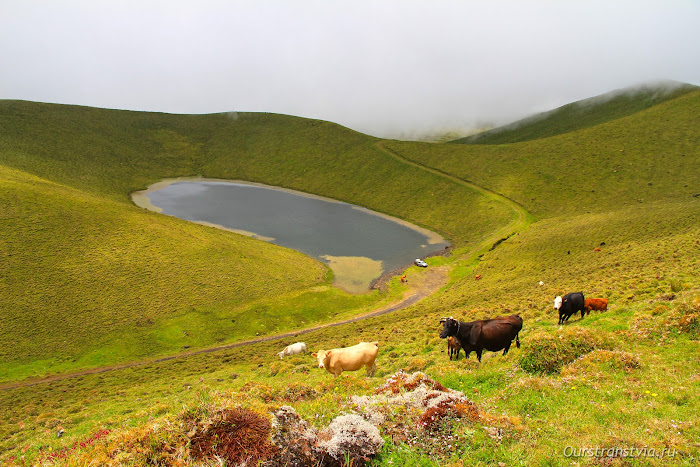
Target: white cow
(353, 358)
(293, 349)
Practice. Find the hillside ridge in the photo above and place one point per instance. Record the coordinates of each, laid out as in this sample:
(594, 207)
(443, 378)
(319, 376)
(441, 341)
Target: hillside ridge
(582, 114)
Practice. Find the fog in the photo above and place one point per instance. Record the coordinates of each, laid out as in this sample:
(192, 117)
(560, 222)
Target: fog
(398, 69)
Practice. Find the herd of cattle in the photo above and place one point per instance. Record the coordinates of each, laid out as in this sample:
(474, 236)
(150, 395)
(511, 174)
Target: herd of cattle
(493, 334)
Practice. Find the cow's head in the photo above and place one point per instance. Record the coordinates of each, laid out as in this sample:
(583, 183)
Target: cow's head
(557, 302)
(450, 327)
(320, 357)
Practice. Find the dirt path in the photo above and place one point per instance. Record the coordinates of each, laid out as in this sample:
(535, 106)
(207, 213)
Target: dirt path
(432, 281)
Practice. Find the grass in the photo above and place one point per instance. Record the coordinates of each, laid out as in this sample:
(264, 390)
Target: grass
(583, 114)
(646, 157)
(632, 380)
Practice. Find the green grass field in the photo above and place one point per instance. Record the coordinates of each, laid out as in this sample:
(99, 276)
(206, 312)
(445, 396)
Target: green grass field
(89, 280)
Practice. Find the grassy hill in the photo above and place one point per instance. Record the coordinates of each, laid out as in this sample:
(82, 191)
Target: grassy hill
(582, 114)
(92, 280)
(625, 377)
(648, 156)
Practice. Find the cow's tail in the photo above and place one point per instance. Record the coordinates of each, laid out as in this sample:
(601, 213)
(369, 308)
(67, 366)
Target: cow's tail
(517, 340)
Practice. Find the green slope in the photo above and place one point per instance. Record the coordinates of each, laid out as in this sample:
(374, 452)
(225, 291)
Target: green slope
(650, 155)
(582, 114)
(113, 153)
(89, 279)
(81, 273)
(633, 383)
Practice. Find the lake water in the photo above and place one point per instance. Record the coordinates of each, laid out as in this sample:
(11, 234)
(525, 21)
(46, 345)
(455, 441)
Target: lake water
(358, 244)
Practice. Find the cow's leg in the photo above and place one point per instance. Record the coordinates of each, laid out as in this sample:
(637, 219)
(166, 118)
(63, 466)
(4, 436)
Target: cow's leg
(478, 354)
(457, 356)
(517, 340)
(507, 347)
(371, 368)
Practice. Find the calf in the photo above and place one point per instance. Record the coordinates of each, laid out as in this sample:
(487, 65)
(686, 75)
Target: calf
(293, 349)
(490, 334)
(353, 358)
(453, 347)
(599, 304)
(570, 304)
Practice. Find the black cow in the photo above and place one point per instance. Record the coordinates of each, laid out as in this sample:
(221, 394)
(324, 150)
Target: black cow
(490, 334)
(570, 304)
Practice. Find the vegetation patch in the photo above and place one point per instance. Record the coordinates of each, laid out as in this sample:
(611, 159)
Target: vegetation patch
(549, 352)
(689, 320)
(599, 362)
(238, 436)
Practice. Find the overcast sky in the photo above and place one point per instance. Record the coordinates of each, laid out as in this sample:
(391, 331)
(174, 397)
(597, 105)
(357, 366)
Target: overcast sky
(387, 68)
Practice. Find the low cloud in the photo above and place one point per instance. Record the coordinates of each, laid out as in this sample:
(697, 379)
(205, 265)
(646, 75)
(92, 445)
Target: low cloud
(385, 68)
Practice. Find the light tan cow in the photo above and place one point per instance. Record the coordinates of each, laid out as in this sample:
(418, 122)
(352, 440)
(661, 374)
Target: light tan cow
(349, 358)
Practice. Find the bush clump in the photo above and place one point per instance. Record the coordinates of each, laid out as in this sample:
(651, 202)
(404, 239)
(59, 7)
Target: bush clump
(610, 359)
(238, 435)
(348, 440)
(351, 439)
(548, 353)
(689, 321)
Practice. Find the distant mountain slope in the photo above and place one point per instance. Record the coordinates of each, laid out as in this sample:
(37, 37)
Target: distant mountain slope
(582, 114)
(651, 155)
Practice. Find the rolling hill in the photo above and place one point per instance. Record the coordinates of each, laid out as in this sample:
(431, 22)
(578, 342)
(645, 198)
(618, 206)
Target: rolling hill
(582, 114)
(609, 207)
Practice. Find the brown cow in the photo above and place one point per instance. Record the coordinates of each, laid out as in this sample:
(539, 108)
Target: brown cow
(490, 334)
(453, 347)
(600, 304)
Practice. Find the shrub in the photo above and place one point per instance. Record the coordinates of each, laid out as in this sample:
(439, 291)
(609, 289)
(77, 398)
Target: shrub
(689, 320)
(236, 435)
(548, 353)
(351, 440)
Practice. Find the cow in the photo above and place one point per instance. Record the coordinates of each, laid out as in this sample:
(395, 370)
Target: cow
(557, 302)
(599, 304)
(570, 304)
(293, 349)
(453, 347)
(490, 334)
(353, 358)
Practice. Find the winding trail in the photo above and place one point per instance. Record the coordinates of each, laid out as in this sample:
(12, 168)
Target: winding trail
(433, 280)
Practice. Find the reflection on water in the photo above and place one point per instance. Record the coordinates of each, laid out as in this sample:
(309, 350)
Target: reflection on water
(321, 228)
